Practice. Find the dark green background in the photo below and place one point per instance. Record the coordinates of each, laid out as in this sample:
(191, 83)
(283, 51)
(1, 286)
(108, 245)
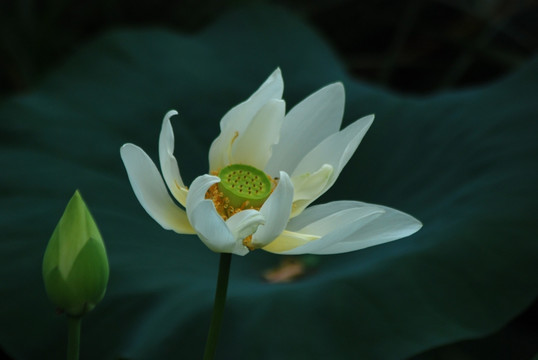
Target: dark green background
(463, 162)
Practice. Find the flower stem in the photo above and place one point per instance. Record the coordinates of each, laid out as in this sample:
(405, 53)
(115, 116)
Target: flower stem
(218, 306)
(73, 337)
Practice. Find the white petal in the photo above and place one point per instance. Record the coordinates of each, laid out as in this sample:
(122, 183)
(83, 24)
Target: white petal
(169, 166)
(336, 150)
(318, 212)
(309, 186)
(390, 226)
(216, 234)
(276, 211)
(197, 191)
(332, 228)
(150, 190)
(306, 125)
(253, 146)
(244, 224)
(209, 225)
(213, 231)
(238, 118)
(272, 88)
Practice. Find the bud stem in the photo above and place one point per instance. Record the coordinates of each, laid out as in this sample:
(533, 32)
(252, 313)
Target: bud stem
(218, 306)
(73, 337)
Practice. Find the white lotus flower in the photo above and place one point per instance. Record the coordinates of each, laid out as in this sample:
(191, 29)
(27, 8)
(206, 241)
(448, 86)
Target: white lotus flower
(265, 168)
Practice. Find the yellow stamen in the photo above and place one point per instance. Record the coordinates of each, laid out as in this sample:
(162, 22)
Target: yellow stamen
(248, 243)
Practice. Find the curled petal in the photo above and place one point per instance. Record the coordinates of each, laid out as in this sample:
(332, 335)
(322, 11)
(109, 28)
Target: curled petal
(306, 125)
(150, 190)
(239, 117)
(209, 225)
(169, 166)
(276, 211)
(213, 231)
(198, 189)
(244, 224)
(216, 234)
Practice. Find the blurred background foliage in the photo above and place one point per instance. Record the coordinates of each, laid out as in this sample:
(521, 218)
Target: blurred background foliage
(415, 46)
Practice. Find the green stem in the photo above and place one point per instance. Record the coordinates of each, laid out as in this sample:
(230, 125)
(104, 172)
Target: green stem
(73, 337)
(218, 306)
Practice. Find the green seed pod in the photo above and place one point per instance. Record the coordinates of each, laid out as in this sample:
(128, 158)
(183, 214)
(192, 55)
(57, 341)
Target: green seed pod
(241, 183)
(75, 265)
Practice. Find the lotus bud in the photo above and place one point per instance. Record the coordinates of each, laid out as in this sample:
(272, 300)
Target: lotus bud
(75, 265)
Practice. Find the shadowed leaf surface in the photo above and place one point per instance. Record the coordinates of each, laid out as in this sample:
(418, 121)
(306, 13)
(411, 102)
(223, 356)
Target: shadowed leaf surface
(464, 163)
